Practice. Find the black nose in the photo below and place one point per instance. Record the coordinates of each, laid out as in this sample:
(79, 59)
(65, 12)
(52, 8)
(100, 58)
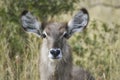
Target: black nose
(55, 52)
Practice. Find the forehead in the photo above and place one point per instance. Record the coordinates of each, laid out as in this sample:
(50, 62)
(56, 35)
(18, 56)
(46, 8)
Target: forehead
(55, 27)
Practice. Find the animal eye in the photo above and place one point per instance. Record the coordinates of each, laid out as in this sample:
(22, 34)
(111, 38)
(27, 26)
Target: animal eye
(65, 35)
(43, 35)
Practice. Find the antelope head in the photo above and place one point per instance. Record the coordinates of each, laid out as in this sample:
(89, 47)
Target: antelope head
(55, 34)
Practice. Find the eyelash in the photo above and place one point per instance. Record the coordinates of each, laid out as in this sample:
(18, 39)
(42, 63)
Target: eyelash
(43, 35)
(65, 35)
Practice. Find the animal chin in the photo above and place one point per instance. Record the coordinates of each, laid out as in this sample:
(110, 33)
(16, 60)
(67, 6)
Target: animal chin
(55, 58)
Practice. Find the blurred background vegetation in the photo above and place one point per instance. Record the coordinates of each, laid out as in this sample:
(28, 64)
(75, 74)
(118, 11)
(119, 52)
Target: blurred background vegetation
(97, 49)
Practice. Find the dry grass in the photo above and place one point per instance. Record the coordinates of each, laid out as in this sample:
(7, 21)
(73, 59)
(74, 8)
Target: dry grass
(97, 49)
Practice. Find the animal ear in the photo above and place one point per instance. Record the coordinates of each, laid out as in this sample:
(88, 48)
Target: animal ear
(30, 23)
(79, 22)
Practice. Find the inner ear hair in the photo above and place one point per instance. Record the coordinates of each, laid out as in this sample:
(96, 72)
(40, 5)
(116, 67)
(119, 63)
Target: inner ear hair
(79, 21)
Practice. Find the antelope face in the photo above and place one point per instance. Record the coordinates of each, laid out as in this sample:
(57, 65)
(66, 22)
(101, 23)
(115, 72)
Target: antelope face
(53, 33)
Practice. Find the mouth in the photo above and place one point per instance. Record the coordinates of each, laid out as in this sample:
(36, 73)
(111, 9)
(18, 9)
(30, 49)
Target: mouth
(55, 59)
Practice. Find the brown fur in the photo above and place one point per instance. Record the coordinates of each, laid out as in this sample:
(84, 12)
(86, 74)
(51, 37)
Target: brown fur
(62, 69)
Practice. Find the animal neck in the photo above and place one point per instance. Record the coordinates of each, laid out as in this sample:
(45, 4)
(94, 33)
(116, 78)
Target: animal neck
(55, 70)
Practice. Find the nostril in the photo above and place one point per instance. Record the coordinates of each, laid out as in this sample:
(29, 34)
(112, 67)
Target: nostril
(52, 52)
(57, 51)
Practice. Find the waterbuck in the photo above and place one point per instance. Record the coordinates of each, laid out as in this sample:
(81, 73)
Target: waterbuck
(55, 57)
